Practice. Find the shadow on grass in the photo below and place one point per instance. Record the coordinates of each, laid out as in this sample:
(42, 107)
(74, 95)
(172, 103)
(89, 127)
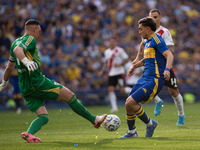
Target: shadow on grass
(168, 139)
(98, 144)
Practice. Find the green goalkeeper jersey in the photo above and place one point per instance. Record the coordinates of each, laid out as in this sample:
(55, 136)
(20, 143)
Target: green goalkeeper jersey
(28, 80)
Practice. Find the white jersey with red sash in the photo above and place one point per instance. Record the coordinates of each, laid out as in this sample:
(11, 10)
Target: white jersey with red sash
(165, 34)
(115, 56)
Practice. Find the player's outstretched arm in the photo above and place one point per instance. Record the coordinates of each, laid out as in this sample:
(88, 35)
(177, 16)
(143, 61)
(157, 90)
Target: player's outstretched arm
(6, 75)
(171, 48)
(134, 66)
(19, 53)
(139, 54)
(103, 69)
(170, 57)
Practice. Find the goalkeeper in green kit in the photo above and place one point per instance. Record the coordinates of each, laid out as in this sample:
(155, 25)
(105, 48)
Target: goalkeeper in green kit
(34, 87)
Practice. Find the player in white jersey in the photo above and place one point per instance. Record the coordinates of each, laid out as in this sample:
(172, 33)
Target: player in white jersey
(172, 83)
(132, 80)
(115, 58)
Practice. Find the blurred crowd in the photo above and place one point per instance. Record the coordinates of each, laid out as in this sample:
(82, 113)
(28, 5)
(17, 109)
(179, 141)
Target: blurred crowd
(75, 34)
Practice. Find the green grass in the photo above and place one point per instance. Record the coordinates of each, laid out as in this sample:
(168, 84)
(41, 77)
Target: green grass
(65, 129)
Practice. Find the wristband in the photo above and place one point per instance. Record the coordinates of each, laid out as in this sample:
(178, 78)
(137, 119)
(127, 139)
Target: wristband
(4, 82)
(167, 69)
(25, 61)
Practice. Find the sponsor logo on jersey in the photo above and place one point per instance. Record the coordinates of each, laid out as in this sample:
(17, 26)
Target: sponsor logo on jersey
(149, 53)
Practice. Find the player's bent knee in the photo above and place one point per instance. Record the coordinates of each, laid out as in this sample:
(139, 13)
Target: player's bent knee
(65, 95)
(174, 92)
(129, 101)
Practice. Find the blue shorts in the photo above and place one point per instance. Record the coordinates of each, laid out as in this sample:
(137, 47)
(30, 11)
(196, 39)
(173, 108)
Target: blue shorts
(146, 89)
(16, 87)
(15, 84)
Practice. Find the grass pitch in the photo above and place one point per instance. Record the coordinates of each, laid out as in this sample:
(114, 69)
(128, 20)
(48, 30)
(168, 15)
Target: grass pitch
(67, 130)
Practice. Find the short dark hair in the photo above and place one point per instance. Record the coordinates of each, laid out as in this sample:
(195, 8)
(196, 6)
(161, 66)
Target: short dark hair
(32, 22)
(148, 22)
(155, 10)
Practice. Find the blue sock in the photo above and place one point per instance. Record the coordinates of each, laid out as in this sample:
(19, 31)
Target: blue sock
(131, 121)
(142, 115)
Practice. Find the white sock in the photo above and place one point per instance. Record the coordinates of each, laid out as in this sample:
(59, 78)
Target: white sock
(156, 99)
(113, 100)
(179, 104)
(132, 131)
(127, 90)
(150, 123)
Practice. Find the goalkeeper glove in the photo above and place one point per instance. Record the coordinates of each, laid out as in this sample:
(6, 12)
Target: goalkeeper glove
(3, 85)
(31, 65)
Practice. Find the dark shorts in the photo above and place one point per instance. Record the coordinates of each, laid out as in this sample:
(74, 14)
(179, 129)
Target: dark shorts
(116, 80)
(49, 90)
(172, 82)
(146, 89)
(15, 84)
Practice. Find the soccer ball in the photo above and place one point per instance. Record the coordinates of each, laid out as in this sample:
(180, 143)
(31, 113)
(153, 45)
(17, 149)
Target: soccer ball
(111, 123)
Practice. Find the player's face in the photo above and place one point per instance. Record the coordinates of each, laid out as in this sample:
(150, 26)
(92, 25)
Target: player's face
(156, 17)
(143, 31)
(113, 43)
(37, 31)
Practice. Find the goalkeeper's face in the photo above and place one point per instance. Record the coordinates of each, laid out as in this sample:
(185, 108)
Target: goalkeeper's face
(37, 32)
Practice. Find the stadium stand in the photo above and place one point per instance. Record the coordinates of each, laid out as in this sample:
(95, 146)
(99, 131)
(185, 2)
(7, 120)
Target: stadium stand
(75, 34)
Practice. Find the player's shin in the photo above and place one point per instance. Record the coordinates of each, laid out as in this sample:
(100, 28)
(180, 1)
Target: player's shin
(37, 124)
(142, 115)
(179, 104)
(131, 122)
(80, 109)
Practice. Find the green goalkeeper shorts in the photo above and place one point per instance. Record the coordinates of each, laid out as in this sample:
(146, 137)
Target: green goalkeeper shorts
(49, 90)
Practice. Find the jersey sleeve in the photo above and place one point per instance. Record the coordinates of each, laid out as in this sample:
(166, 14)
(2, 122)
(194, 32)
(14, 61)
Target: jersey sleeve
(11, 58)
(28, 43)
(167, 38)
(123, 54)
(161, 47)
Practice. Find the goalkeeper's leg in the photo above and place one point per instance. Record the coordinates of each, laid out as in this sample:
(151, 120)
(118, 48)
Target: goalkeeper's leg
(67, 96)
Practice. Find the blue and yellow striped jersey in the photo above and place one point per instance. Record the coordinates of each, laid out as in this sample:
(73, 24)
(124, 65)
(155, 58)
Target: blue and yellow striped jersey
(154, 62)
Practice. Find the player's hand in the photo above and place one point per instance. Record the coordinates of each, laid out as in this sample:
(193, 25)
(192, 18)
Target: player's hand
(131, 70)
(31, 65)
(135, 61)
(166, 75)
(3, 85)
(117, 65)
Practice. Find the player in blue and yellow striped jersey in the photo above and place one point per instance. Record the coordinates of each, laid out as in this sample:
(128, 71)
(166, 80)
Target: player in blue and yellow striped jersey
(157, 62)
